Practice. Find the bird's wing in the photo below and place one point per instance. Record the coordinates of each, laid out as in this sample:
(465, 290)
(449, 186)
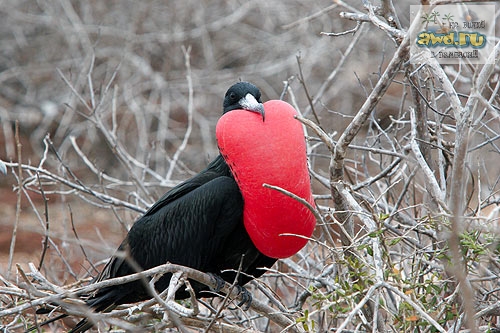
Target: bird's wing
(191, 230)
(215, 169)
(179, 191)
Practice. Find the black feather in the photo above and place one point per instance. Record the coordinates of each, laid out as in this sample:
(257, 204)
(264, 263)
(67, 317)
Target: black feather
(198, 224)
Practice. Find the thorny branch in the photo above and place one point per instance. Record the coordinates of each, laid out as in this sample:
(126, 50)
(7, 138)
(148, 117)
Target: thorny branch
(65, 298)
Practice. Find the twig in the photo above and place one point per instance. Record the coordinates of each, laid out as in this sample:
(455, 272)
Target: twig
(337, 34)
(304, 202)
(379, 176)
(171, 308)
(52, 243)
(425, 57)
(79, 241)
(82, 188)
(114, 180)
(415, 306)
(190, 111)
(123, 156)
(340, 64)
(435, 190)
(30, 287)
(391, 31)
(325, 138)
(359, 306)
(371, 227)
(223, 305)
(389, 12)
(310, 17)
(306, 91)
(362, 115)
(18, 202)
(456, 198)
(190, 273)
(45, 243)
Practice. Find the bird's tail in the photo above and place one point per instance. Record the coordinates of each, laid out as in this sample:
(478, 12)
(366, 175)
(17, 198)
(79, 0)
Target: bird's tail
(48, 321)
(98, 304)
(82, 326)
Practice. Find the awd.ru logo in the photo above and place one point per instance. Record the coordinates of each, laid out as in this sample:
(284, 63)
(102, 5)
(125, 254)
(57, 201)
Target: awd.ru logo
(456, 39)
(454, 32)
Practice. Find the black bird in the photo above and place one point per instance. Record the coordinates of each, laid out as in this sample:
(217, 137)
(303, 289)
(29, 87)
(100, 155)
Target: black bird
(198, 224)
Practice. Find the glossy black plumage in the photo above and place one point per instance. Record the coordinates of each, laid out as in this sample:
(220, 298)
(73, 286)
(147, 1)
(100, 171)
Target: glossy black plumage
(197, 224)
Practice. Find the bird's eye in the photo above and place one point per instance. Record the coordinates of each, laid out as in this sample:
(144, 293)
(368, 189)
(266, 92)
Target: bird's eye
(232, 96)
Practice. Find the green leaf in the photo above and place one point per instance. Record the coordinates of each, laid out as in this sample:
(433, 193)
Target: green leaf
(383, 216)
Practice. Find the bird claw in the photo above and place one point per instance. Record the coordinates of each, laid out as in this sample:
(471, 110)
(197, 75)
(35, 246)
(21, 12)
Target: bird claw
(243, 293)
(218, 281)
(246, 298)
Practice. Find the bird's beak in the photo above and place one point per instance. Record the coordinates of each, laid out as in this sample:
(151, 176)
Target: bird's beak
(249, 103)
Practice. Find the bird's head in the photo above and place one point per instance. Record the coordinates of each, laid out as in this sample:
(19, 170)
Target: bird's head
(246, 96)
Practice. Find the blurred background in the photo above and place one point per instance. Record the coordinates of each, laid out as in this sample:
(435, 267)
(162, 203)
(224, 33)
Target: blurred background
(60, 58)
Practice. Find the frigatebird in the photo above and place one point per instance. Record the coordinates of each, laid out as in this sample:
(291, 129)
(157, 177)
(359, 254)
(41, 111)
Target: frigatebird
(224, 218)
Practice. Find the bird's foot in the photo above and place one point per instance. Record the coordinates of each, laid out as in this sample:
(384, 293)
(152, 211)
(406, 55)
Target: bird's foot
(246, 298)
(218, 281)
(243, 293)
